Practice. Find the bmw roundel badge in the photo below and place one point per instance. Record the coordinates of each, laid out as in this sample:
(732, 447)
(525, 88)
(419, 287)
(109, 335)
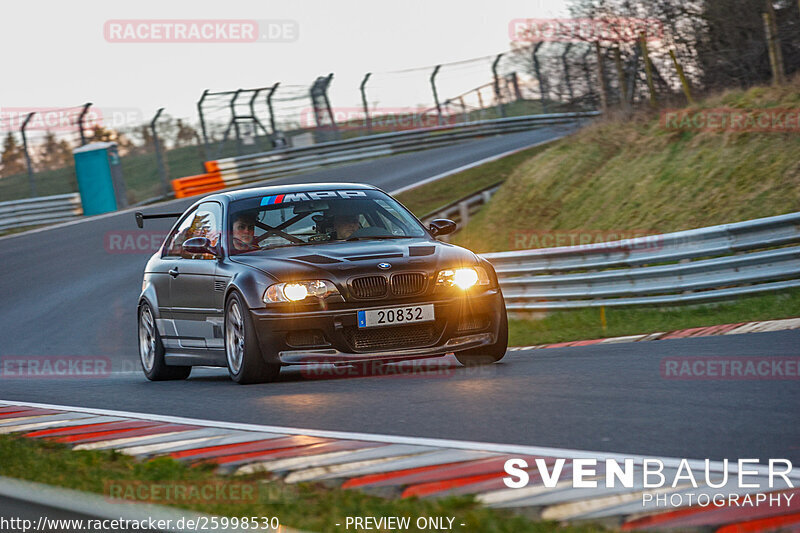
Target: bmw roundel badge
(384, 266)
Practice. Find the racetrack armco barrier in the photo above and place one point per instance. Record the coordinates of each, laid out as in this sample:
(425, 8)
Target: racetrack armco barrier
(39, 211)
(713, 263)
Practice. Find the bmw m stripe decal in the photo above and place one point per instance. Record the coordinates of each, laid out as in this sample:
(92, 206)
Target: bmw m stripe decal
(305, 196)
(269, 200)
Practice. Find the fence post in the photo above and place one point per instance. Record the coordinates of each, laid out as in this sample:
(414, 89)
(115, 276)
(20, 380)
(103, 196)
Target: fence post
(435, 94)
(565, 63)
(235, 123)
(203, 123)
(538, 71)
(363, 89)
(623, 88)
(684, 83)
(602, 78)
(328, 104)
(271, 111)
(31, 181)
(463, 212)
(773, 45)
(80, 122)
(515, 84)
(162, 171)
(315, 104)
(253, 112)
(500, 109)
(587, 72)
(648, 68)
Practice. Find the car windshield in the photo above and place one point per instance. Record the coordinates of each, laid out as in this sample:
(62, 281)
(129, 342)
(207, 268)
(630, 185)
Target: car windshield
(295, 219)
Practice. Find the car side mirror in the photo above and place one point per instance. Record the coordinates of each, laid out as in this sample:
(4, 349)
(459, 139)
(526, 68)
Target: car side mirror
(442, 226)
(198, 245)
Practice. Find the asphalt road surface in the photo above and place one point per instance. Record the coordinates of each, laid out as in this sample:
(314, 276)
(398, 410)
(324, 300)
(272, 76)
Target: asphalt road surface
(609, 398)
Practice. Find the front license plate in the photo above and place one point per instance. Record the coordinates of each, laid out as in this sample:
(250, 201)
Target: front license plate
(395, 316)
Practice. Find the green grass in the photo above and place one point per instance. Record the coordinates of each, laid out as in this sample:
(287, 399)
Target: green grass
(426, 198)
(310, 507)
(634, 175)
(585, 324)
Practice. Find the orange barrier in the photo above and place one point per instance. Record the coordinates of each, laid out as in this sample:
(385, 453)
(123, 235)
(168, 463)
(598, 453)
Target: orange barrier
(200, 184)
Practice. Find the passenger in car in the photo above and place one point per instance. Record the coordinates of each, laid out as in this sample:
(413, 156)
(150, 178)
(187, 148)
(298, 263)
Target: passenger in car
(244, 233)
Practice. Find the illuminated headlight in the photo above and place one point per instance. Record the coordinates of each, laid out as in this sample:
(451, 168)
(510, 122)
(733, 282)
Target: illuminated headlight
(462, 277)
(299, 290)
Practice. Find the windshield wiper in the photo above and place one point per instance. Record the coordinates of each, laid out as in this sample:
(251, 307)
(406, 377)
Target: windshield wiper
(287, 245)
(379, 237)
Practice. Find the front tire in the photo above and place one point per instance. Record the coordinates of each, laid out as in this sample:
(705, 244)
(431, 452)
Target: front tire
(245, 363)
(151, 350)
(486, 355)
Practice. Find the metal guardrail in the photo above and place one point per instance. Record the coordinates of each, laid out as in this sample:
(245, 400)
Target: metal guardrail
(698, 265)
(233, 171)
(462, 210)
(38, 211)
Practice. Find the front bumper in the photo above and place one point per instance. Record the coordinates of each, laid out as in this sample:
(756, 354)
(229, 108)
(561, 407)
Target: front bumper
(338, 328)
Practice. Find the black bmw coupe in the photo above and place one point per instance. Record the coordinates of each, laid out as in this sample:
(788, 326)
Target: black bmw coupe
(326, 273)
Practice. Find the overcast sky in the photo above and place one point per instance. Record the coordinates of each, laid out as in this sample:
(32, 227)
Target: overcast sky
(55, 53)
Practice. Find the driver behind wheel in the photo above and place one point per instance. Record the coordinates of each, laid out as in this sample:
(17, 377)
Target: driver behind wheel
(339, 222)
(244, 227)
(345, 224)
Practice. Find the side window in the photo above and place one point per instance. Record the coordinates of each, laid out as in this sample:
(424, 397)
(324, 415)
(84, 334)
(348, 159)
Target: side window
(205, 222)
(178, 236)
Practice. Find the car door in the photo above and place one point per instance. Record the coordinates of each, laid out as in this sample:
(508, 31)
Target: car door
(196, 315)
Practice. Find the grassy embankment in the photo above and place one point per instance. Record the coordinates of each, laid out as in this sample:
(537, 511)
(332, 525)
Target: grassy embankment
(622, 177)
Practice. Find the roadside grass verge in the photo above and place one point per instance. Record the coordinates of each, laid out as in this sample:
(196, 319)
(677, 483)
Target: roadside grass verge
(635, 175)
(431, 196)
(585, 324)
(310, 507)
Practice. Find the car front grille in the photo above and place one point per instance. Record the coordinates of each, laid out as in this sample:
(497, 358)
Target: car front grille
(473, 322)
(369, 287)
(408, 284)
(400, 337)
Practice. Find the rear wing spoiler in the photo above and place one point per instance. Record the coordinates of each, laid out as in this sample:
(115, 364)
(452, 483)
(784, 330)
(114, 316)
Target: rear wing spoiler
(140, 218)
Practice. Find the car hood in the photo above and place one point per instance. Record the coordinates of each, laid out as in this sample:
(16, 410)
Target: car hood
(345, 259)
